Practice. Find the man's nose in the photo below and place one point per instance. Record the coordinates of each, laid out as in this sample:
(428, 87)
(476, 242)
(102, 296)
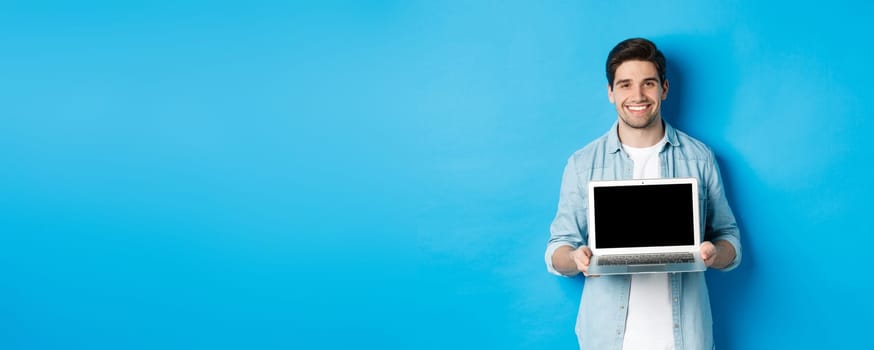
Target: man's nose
(638, 94)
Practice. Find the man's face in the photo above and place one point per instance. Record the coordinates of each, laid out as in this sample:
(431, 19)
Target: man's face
(637, 94)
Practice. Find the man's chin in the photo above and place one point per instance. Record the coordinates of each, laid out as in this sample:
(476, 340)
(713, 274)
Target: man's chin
(639, 124)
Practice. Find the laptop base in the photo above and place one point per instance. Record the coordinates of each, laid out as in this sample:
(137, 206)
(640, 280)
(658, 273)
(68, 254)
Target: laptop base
(595, 269)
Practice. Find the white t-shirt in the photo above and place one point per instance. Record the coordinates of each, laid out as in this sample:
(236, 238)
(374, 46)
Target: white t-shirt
(648, 325)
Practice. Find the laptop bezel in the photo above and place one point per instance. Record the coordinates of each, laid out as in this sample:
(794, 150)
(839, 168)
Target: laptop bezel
(696, 217)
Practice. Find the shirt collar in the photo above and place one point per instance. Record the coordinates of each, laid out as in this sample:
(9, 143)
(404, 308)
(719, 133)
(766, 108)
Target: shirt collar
(613, 144)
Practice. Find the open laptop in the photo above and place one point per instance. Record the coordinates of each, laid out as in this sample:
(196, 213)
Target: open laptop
(644, 226)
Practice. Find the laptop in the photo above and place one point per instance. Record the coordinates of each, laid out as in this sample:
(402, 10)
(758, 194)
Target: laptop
(644, 226)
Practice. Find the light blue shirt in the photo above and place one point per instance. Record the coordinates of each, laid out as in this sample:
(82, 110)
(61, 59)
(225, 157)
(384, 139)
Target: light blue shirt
(604, 304)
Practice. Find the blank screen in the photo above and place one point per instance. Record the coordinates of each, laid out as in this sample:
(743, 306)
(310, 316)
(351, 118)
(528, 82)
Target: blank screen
(643, 216)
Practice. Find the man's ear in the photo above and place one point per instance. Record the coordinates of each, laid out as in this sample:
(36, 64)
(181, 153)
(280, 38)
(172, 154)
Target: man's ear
(610, 93)
(665, 90)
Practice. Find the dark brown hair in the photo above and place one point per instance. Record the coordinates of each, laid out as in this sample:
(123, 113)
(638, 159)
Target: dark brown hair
(635, 49)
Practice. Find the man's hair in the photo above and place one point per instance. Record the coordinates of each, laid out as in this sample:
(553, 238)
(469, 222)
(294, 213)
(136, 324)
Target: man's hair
(635, 49)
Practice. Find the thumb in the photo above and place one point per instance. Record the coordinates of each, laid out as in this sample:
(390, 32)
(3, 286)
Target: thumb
(707, 251)
(710, 251)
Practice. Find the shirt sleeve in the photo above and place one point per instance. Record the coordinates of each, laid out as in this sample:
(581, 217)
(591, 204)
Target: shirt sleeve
(569, 226)
(721, 224)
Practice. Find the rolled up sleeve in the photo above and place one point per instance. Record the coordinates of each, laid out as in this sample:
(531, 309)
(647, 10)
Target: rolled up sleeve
(721, 223)
(569, 226)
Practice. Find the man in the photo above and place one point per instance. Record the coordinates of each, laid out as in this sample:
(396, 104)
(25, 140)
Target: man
(645, 311)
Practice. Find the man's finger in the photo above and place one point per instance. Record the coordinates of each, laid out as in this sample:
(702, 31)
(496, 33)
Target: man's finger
(707, 251)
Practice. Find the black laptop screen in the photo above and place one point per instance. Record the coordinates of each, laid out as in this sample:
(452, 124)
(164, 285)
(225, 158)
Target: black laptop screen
(643, 216)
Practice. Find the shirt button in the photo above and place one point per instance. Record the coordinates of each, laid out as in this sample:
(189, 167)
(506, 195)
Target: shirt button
(675, 300)
(676, 325)
(618, 332)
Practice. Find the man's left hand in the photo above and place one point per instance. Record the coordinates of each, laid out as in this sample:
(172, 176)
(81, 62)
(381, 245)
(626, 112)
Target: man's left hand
(709, 253)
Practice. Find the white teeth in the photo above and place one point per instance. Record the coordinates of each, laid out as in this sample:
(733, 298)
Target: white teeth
(636, 108)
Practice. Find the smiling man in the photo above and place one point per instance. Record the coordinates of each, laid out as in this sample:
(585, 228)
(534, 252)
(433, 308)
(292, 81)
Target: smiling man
(645, 311)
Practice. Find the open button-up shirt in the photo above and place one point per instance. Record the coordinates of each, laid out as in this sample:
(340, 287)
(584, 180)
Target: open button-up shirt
(604, 304)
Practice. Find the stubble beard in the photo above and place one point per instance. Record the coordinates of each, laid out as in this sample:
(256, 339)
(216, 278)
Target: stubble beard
(646, 124)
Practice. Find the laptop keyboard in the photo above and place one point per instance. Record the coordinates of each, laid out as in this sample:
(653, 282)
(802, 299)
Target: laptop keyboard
(638, 259)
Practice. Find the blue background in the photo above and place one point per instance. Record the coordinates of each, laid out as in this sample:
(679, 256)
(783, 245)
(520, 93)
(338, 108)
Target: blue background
(382, 174)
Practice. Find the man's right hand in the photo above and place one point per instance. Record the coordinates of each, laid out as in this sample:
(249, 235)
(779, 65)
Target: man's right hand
(581, 257)
(569, 261)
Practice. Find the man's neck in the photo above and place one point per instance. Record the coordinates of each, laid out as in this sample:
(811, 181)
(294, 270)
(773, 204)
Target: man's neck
(641, 138)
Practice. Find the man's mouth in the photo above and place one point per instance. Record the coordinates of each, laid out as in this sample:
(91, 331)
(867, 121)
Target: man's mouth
(637, 108)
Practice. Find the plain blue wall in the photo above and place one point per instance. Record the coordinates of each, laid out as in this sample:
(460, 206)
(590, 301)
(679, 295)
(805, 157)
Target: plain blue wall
(382, 174)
